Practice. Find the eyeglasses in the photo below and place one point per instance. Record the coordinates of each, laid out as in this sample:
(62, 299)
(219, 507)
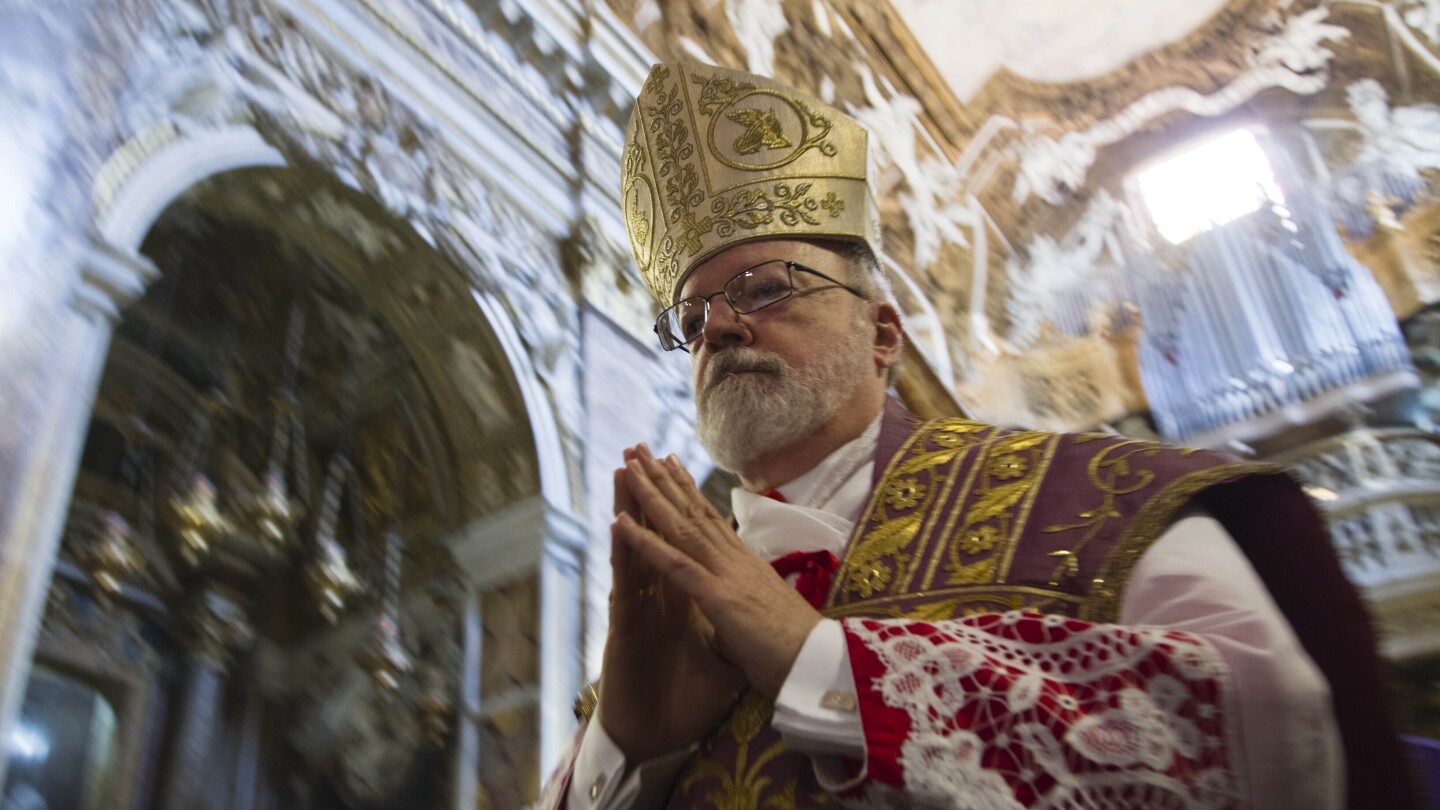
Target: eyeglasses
(750, 290)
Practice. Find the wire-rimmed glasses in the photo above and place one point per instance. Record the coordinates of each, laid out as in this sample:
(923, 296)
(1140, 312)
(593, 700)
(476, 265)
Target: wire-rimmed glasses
(749, 290)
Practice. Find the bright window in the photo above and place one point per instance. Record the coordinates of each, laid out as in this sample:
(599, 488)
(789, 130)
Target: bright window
(1211, 184)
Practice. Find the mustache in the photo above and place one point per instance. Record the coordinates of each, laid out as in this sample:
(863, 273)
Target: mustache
(741, 359)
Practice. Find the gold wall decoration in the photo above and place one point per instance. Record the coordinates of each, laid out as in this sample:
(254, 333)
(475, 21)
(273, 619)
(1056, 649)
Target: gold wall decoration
(112, 559)
(197, 520)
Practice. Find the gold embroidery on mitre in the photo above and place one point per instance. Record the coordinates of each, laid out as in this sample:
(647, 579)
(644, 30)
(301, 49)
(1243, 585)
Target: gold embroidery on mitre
(762, 131)
(716, 157)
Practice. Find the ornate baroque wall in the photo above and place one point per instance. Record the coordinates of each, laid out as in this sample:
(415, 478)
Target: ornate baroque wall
(488, 134)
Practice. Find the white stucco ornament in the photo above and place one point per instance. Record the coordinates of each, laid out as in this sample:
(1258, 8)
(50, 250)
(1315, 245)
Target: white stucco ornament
(1403, 140)
(1052, 167)
(756, 24)
(1053, 41)
(1051, 268)
(1300, 43)
(1424, 16)
(933, 188)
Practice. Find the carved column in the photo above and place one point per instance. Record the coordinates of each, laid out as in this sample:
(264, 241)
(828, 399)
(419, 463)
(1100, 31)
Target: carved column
(562, 594)
(51, 364)
(467, 732)
(531, 540)
(219, 628)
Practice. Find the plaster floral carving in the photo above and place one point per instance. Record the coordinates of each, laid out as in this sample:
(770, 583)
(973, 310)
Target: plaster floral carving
(1053, 268)
(1397, 147)
(1299, 42)
(1051, 167)
(311, 101)
(1403, 140)
(508, 63)
(177, 75)
(932, 196)
(757, 23)
(306, 87)
(536, 294)
(1423, 16)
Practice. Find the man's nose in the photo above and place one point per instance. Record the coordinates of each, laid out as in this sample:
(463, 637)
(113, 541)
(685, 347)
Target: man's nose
(724, 326)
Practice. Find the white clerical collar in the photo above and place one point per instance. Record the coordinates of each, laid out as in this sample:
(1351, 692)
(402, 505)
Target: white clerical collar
(815, 487)
(820, 507)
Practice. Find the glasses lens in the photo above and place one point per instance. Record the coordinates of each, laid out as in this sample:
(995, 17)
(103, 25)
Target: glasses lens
(759, 287)
(681, 323)
(689, 318)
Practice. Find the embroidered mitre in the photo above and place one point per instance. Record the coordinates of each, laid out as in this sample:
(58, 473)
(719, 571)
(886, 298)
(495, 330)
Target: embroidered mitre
(716, 157)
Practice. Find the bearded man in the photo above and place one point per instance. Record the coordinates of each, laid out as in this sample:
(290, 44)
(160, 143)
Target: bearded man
(908, 613)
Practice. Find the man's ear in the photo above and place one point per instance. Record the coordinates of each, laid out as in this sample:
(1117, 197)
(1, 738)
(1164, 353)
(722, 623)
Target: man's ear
(889, 335)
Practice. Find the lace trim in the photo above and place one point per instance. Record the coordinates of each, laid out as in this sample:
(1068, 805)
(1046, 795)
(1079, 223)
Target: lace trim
(1023, 710)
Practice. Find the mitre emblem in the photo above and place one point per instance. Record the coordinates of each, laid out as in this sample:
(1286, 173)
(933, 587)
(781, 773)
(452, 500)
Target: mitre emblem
(762, 130)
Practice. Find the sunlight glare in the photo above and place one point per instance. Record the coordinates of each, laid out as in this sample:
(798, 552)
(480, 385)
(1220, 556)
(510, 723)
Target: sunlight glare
(1212, 184)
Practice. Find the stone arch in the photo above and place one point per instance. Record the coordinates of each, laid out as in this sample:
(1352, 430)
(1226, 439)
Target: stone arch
(135, 187)
(141, 179)
(413, 287)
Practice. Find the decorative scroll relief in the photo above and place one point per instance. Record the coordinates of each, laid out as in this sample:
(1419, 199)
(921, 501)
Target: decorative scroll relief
(1332, 470)
(373, 141)
(1388, 542)
(344, 119)
(1051, 268)
(609, 279)
(311, 100)
(493, 63)
(1365, 462)
(176, 83)
(934, 205)
(315, 104)
(1377, 487)
(1387, 174)
(1403, 140)
(1293, 58)
(1423, 16)
(757, 23)
(1416, 457)
(547, 321)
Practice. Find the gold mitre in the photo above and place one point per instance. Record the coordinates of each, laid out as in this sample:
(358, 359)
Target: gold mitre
(716, 157)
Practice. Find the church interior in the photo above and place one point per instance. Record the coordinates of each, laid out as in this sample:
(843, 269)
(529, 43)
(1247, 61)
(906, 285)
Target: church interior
(322, 338)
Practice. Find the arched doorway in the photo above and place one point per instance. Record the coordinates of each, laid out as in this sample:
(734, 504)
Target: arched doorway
(297, 328)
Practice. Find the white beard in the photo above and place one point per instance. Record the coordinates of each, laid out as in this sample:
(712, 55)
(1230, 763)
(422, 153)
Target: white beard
(743, 416)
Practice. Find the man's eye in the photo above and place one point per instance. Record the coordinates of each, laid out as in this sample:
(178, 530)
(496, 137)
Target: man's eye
(690, 325)
(767, 289)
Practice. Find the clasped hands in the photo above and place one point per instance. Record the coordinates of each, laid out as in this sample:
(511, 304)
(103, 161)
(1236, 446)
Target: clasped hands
(695, 615)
